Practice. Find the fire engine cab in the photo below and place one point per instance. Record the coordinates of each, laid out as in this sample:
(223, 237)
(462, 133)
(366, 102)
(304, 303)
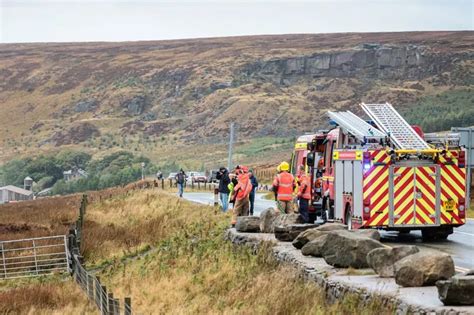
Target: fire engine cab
(384, 175)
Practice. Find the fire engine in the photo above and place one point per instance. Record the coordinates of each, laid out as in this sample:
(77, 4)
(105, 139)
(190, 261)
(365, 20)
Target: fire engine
(384, 175)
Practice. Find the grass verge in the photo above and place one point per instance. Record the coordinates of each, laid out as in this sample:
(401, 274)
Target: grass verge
(190, 268)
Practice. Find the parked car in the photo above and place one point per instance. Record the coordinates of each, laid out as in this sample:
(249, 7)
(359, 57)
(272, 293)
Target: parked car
(212, 178)
(199, 177)
(190, 176)
(172, 175)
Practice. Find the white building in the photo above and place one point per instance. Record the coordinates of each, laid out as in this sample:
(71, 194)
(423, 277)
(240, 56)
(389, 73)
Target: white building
(12, 193)
(74, 174)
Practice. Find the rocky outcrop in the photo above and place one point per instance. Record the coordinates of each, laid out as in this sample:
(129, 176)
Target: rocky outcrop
(85, 106)
(348, 249)
(311, 234)
(76, 134)
(375, 62)
(267, 218)
(287, 233)
(135, 106)
(423, 268)
(248, 224)
(459, 290)
(383, 260)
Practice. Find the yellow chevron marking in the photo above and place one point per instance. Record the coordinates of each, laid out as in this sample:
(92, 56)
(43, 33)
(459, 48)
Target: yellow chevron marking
(383, 189)
(405, 215)
(455, 174)
(377, 172)
(376, 221)
(380, 204)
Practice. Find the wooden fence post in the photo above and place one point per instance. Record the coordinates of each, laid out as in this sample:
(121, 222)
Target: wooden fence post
(162, 183)
(127, 306)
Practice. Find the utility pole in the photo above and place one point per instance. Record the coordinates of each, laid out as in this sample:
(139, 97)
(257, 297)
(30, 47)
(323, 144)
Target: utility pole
(143, 170)
(231, 143)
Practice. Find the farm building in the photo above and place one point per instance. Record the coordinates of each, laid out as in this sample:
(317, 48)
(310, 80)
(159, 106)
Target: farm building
(12, 193)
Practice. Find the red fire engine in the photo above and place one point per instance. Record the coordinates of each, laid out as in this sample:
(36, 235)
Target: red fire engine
(384, 175)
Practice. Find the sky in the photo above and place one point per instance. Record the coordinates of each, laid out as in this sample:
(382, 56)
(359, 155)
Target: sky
(122, 20)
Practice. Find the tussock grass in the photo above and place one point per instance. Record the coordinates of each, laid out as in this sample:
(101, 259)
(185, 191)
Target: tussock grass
(43, 296)
(191, 269)
(36, 218)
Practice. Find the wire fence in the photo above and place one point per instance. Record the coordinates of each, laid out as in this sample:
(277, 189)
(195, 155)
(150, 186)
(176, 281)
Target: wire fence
(89, 283)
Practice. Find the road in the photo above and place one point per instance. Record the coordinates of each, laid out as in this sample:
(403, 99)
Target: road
(460, 244)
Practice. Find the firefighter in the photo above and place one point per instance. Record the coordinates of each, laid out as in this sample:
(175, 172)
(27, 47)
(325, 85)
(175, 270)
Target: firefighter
(304, 195)
(283, 186)
(241, 192)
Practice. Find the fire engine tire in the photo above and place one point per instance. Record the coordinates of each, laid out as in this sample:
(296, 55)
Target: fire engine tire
(439, 234)
(348, 217)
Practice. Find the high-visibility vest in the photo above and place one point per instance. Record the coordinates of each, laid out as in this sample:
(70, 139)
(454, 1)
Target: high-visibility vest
(284, 183)
(244, 187)
(304, 190)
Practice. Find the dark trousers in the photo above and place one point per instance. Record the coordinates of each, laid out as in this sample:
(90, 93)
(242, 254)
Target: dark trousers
(303, 209)
(252, 201)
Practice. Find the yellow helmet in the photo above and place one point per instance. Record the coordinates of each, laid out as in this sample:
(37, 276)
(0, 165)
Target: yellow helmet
(284, 166)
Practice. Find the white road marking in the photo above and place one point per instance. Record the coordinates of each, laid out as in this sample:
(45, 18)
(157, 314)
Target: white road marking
(470, 234)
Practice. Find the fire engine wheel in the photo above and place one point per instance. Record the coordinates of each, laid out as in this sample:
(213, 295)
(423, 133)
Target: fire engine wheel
(348, 217)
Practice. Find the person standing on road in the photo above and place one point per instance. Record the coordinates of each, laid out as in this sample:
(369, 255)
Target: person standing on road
(241, 191)
(180, 180)
(283, 186)
(254, 182)
(304, 195)
(224, 181)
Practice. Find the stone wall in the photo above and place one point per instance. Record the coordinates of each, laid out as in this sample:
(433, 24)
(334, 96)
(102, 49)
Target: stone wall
(367, 288)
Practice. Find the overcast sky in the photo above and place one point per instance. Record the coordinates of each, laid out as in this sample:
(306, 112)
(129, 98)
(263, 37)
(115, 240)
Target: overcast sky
(120, 20)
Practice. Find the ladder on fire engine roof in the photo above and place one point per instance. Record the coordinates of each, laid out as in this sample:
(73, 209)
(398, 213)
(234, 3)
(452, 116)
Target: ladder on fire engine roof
(356, 126)
(400, 132)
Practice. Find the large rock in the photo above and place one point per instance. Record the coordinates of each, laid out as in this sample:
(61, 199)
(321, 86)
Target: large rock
(309, 235)
(267, 218)
(423, 268)
(459, 290)
(287, 219)
(373, 234)
(348, 249)
(287, 233)
(382, 260)
(314, 247)
(248, 224)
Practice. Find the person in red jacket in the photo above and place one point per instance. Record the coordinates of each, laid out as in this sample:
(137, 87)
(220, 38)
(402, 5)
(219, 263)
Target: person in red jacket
(242, 191)
(283, 186)
(304, 196)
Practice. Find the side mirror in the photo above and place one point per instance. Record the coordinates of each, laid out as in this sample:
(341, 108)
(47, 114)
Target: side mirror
(310, 159)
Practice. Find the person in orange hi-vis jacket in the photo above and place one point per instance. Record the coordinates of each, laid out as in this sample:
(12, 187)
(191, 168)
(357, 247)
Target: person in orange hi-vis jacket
(242, 191)
(304, 196)
(284, 185)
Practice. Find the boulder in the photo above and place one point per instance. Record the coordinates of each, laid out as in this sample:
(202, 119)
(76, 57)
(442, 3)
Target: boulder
(459, 290)
(248, 224)
(287, 233)
(309, 235)
(423, 268)
(382, 260)
(287, 219)
(267, 217)
(373, 234)
(348, 249)
(314, 247)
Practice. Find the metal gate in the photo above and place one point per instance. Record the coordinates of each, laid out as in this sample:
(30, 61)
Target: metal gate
(33, 257)
(414, 192)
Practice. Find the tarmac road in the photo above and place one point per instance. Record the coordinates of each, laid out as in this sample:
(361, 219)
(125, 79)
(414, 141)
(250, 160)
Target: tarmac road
(460, 244)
